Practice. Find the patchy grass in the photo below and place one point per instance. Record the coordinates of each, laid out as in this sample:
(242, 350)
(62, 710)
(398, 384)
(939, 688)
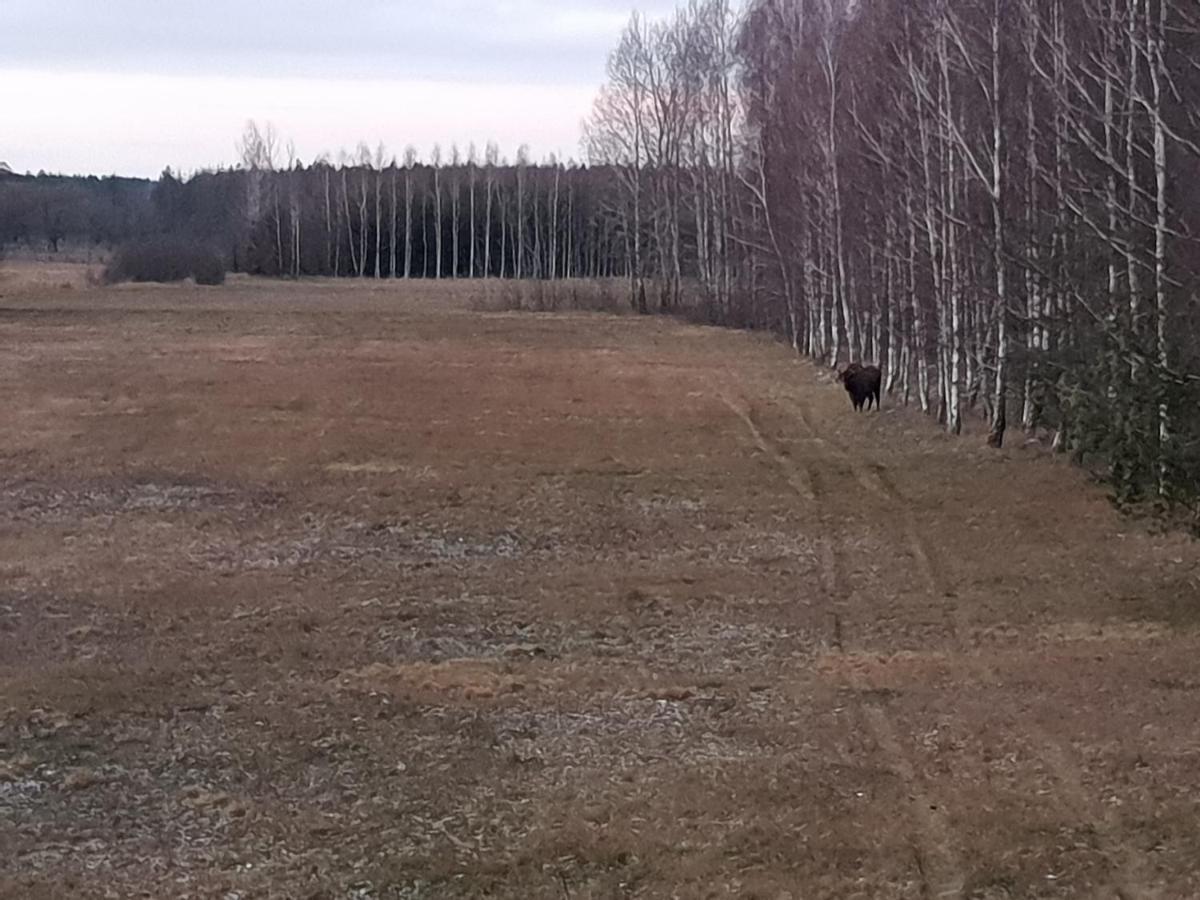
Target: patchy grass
(388, 591)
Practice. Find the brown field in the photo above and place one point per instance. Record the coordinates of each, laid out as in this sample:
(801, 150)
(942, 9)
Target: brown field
(343, 591)
(25, 276)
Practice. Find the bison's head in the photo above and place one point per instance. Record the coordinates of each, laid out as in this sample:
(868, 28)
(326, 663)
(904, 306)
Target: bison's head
(848, 372)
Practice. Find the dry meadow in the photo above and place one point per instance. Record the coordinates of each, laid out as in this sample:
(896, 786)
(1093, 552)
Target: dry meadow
(335, 590)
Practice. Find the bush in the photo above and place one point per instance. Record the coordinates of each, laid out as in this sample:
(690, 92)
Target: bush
(164, 260)
(208, 268)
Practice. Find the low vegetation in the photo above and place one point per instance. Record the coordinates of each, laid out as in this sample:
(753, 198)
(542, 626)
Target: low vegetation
(340, 589)
(576, 295)
(165, 260)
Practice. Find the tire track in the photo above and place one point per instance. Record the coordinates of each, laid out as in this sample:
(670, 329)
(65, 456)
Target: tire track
(938, 863)
(875, 481)
(799, 479)
(930, 569)
(1129, 882)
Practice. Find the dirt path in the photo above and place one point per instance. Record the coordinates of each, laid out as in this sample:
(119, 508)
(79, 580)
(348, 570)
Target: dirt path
(314, 592)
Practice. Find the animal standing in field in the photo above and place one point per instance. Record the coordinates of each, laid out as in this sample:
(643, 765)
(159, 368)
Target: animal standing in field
(862, 383)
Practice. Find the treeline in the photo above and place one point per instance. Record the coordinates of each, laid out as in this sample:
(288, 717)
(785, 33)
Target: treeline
(375, 216)
(999, 200)
(48, 211)
(370, 215)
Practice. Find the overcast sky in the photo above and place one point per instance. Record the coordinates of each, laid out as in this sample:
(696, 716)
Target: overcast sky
(131, 86)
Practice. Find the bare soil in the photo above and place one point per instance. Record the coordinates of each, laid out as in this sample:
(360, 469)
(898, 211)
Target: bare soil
(341, 590)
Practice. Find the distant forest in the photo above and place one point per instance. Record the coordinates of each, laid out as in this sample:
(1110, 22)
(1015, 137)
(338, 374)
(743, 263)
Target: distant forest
(997, 200)
(371, 216)
(47, 212)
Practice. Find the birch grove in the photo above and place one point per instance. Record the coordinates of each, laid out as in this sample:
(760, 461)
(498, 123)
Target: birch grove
(1008, 193)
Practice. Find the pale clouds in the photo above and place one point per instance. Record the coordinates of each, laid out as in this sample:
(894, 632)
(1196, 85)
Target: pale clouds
(130, 124)
(133, 85)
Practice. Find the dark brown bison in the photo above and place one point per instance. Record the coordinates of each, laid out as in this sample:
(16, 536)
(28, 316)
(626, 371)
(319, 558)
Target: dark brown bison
(862, 383)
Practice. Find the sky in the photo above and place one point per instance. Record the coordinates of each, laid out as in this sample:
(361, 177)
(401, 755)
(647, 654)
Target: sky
(129, 87)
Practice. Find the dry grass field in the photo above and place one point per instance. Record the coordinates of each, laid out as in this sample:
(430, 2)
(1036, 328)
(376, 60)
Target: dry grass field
(350, 591)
